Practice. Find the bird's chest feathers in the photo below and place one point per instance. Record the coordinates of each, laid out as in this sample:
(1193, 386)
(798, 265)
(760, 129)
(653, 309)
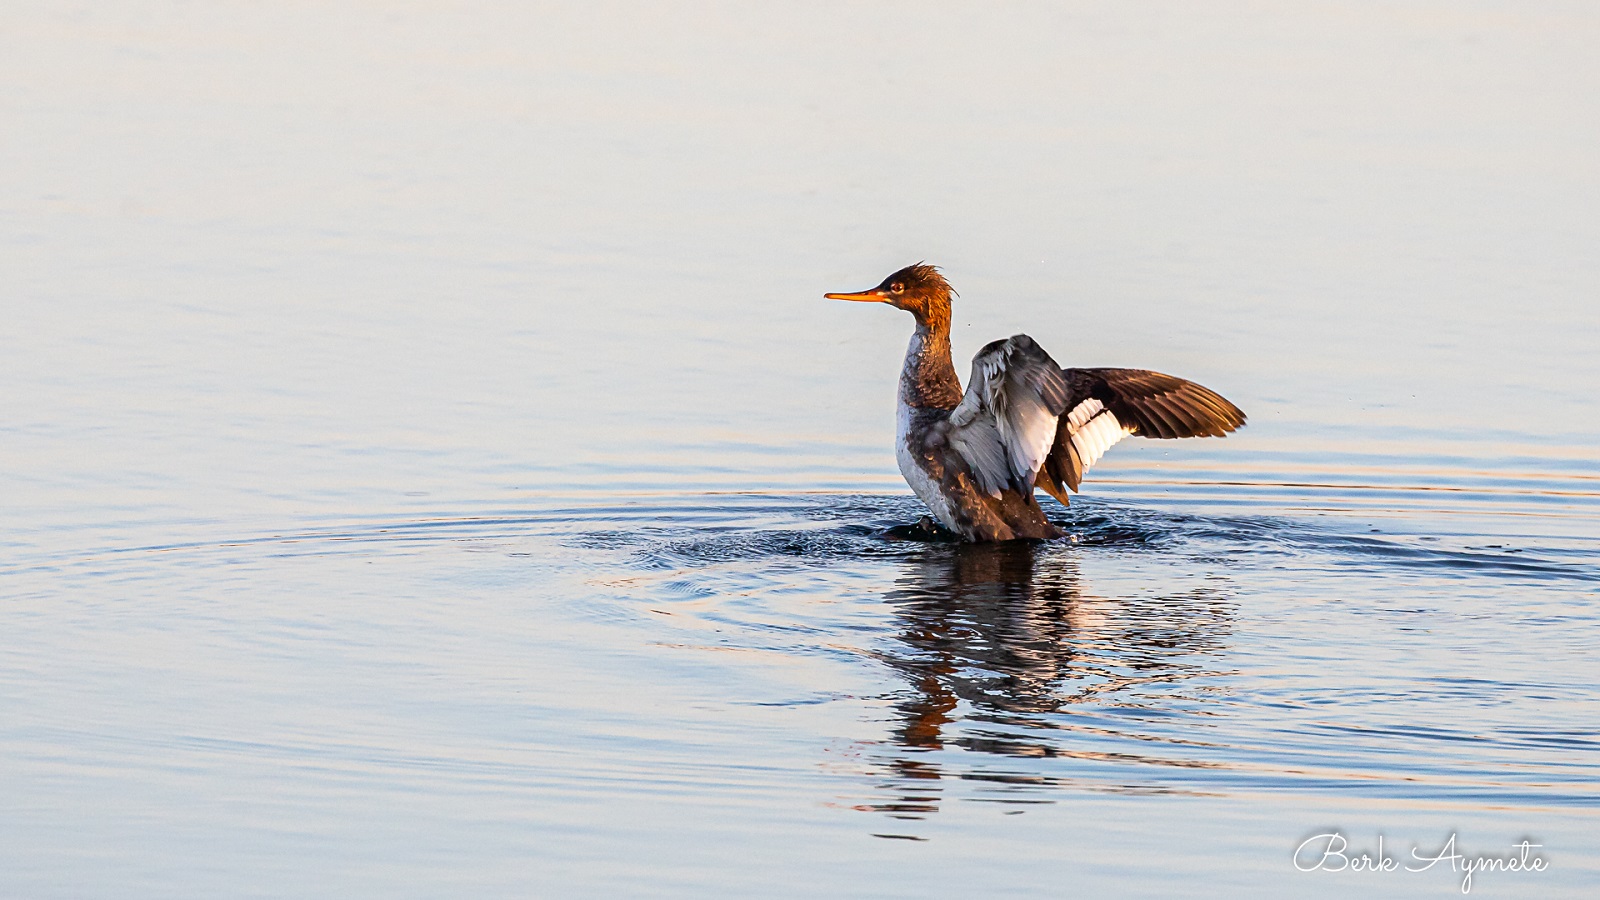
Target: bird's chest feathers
(921, 469)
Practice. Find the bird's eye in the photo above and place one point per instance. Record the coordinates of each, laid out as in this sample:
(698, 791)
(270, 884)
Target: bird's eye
(897, 288)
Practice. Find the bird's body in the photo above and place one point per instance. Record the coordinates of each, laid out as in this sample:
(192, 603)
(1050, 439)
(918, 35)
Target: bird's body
(974, 457)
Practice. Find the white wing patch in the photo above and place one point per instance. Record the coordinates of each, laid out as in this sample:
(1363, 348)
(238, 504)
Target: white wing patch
(1094, 429)
(1081, 413)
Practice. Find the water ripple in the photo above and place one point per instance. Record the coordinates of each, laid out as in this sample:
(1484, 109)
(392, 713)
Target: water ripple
(1156, 649)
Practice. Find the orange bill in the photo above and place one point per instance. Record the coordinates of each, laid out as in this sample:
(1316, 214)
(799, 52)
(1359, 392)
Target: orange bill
(872, 296)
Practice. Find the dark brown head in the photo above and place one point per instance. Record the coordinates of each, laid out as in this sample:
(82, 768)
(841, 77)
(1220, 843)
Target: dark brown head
(918, 289)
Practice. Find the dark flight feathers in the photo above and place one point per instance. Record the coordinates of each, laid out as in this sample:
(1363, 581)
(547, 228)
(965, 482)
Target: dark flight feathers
(1137, 401)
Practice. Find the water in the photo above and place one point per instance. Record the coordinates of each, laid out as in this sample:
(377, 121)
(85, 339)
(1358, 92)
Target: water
(429, 466)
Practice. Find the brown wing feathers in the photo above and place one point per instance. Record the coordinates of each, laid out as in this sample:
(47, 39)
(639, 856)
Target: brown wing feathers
(1062, 468)
(1147, 403)
(1156, 405)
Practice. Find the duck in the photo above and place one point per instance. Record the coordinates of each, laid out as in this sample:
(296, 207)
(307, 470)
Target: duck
(975, 457)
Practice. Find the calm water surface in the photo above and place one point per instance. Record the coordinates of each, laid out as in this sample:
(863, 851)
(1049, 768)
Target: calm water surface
(429, 468)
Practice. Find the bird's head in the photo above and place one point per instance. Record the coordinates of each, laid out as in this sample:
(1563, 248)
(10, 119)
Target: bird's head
(918, 289)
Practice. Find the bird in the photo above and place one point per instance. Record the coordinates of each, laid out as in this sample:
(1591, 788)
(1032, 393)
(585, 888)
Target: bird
(974, 457)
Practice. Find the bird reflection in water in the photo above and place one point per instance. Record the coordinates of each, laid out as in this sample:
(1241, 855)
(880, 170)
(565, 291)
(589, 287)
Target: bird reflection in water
(999, 647)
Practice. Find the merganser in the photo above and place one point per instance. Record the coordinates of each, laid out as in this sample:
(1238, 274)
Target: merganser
(1023, 422)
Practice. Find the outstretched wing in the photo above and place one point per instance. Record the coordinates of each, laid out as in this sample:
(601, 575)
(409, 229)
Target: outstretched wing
(1007, 421)
(1105, 405)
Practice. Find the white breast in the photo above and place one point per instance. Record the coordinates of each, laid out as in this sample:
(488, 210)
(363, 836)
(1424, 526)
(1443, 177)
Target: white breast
(926, 489)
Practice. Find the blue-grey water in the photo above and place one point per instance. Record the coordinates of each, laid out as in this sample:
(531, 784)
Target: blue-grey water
(429, 467)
